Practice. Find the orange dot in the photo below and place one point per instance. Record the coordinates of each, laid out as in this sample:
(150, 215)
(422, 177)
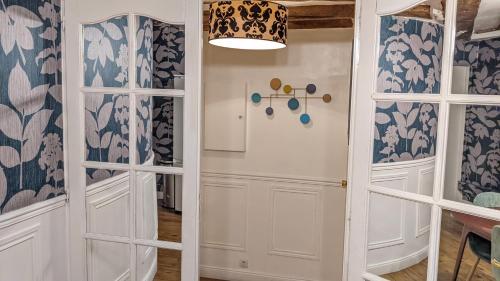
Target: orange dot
(275, 84)
(327, 98)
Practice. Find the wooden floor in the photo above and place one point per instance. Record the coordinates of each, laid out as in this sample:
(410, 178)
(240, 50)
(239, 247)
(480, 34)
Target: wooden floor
(450, 240)
(169, 261)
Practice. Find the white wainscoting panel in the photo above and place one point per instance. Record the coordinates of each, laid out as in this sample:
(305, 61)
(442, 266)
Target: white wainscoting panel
(425, 187)
(398, 229)
(108, 210)
(275, 224)
(387, 229)
(33, 242)
(108, 261)
(295, 222)
(224, 225)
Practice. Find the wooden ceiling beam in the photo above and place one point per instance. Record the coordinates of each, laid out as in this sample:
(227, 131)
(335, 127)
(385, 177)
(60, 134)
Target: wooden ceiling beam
(466, 15)
(321, 23)
(312, 17)
(420, 11)
(322, 11)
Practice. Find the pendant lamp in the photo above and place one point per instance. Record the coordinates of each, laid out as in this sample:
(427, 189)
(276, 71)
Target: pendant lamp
(249, 25)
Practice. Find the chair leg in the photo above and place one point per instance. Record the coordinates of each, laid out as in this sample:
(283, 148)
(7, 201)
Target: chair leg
(473, 270)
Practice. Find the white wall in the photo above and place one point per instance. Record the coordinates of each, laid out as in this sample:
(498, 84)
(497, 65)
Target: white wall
(279, 204)
(33, 242)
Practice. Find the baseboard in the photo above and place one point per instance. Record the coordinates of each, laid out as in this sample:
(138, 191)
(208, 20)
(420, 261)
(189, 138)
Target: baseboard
(242, 275)
(396, 265)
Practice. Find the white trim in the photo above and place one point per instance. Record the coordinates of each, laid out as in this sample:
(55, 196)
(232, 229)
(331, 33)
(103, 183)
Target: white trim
(485, 35)
(160, 244)
(137, 91)
(327, 182)
(32, 211)
(106, 184)
(473, 99)
(399, 264)
(403, 164)
(124, 276)
(404, 97)
(243, 275)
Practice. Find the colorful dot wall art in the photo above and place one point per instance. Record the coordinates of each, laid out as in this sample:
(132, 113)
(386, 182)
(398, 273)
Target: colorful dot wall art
(295, 97)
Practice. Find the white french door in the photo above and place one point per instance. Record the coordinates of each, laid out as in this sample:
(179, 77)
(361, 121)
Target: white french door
(411, 169)
(133, 76)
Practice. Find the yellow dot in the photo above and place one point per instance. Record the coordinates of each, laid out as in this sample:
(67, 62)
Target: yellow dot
(287, 89)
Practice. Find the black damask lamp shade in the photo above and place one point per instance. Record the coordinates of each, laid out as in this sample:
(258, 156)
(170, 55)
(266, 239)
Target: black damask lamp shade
(250, 25)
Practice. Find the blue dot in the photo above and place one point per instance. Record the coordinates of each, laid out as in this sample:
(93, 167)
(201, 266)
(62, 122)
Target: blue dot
(311, 89)
(256, 98)
(269, 111)
(305, 118)
(293, 103)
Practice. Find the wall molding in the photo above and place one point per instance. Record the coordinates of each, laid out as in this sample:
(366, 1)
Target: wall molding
(221, 245)
(402, 233)
(23, 236)
(325, 182)
(32, 211)
(318, 223)
(106, 184)
(124, 276)
(396, 265)
(403, 164)
(109, 198)
(244, 275)
(421, 230)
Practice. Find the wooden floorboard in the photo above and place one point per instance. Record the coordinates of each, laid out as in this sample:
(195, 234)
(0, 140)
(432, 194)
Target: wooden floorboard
(169, 261)
(450, 240)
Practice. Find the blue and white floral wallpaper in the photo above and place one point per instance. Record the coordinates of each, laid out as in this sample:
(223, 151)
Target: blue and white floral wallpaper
(168, 61)
(404, 131)
(144, 65)
(106, 131)
(159, 56)
(481, 153)
(163, 129)
(106, 53)
(31, 120)
(409, 62)
(107, 115)
(410, 56)
(168, 49)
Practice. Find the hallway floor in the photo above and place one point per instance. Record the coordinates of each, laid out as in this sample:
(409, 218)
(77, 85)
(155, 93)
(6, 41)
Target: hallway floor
(169, 261)
(450, 240)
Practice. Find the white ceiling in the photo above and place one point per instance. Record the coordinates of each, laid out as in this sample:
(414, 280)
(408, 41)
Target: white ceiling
(488, 16)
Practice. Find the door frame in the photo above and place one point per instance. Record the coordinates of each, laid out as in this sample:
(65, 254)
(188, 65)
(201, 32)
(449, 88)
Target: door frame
(364, 97)
(74, 16)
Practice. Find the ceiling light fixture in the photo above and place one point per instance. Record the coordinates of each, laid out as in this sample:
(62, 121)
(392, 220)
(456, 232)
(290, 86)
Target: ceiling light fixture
(249, 25)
